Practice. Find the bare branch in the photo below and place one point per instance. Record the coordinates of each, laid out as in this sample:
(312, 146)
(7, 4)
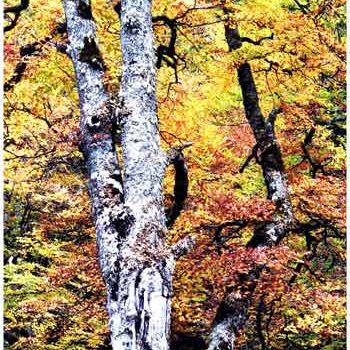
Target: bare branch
(245, 39)
(176, 158)
(16, 11)
(174, 151)
(303, 8)
(34, 49)
(272, 116)
(219, 239)
(315, 166)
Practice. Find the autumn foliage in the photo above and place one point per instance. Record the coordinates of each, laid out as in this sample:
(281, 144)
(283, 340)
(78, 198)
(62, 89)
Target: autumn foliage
(54, 295)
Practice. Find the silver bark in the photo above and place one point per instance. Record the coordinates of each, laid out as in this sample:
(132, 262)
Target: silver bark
(129, 216)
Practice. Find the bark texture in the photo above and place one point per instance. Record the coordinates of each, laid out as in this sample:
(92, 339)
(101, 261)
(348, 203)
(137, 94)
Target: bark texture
(268, 154)
(140, 305)
(105, 182)
(232, 313)
(127, 206)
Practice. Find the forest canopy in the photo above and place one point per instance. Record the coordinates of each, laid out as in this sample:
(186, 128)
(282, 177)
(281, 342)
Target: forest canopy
(246, 101)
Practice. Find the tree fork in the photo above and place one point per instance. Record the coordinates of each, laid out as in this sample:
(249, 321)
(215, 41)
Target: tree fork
(130, 222)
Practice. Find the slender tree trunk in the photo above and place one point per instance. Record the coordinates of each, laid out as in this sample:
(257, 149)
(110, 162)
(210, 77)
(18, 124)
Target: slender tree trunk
(128, 213)
(232, 313)
(268, 154)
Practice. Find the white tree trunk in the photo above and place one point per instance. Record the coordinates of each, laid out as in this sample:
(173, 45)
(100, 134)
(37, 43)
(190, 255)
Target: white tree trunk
(129, 216)
(140, 311)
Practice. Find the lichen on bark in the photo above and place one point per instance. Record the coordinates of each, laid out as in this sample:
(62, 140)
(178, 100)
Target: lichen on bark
(128, 211)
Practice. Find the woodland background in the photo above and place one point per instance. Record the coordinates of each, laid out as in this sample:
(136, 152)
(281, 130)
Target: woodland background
(54, 295)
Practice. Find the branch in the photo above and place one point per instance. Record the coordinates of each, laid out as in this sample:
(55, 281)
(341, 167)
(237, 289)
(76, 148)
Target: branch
(16, 10)
(315, 221)
(313, 164)
(270, 159)
(165, 19)
(33, 49)
(266, 141)
(337, 126)
(234, 40)
(260, 309)
(303, 8)
(245, 39)
(219, 240)
(174, 151)
(168, 53)
(252, 155)
(118, 8)
(38, 154)
(176, 158)
(272, 117)
(195, 8)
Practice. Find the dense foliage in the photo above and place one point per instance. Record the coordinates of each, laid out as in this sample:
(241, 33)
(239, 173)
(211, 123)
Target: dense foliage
(54, 295)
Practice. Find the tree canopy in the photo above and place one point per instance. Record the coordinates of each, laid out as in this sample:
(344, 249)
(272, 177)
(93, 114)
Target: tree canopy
(54, 293)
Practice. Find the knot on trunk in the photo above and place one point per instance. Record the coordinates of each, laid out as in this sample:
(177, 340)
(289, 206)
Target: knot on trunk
(133, 23)
(84, 9)
(122, 221)
(90, 53)
(100, 117)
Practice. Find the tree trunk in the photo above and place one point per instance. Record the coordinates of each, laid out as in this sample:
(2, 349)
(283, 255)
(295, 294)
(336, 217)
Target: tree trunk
(268, 155)
(232, 313)
(128, 213)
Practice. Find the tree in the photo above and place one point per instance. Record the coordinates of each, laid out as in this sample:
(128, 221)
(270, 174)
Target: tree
(128, 212)
(232, 313)
(267, 268)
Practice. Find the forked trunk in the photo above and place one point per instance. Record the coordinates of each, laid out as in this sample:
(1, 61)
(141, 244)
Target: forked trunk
(127, 206)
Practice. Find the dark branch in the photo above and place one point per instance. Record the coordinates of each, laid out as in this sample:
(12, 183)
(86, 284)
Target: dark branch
(315, 167)
(167, 53)
(260, 309)
(265, 142)
(337, 126)
(118, 8)
(303, 8)
(256, 42)
(177, 159)
(16, 11)
(233, 310)
(233, 38)
(34, 49)
(270, 121)
(219, 239)
(251, 156)
(195, 8)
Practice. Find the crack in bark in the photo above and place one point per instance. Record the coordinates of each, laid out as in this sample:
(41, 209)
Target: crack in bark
(90, 53)
(84, 9)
